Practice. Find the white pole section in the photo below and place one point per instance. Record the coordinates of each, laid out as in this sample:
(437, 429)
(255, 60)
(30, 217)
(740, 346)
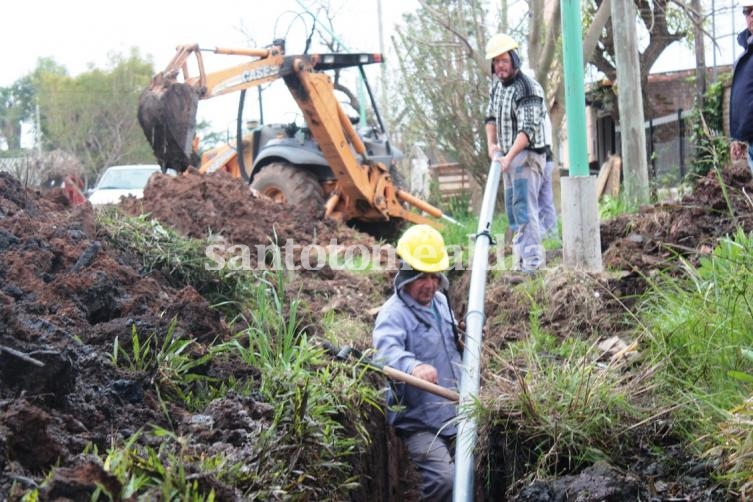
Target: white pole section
(474, 323)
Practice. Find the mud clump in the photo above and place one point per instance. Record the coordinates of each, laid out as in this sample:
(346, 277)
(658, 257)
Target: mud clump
(65, 295)
(658, 235)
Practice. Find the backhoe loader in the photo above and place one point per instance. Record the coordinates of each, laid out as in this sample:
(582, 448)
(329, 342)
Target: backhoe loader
(326, 162)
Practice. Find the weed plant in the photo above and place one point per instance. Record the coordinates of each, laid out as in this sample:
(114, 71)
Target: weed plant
(320, 409)
(611, 207)
(561, 402)
(700, 326)
(701, 322)
(168, 366)
(181, 260)
(707, 131)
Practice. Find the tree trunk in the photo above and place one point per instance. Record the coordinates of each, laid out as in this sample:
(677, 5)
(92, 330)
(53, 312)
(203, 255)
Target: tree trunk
(700, 53)
(633, 134)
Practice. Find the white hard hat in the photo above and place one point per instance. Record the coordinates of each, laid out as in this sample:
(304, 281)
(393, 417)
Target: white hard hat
(501, 43)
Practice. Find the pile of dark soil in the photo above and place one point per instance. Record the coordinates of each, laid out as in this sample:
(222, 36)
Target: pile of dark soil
(690, 228)
(222, 206)
(66, 294)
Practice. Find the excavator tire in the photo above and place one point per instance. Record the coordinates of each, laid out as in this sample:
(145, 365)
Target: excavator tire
(289, 184)
(167, 115)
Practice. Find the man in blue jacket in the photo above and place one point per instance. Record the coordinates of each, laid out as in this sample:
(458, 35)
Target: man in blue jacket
(741, 98)
(415, 332)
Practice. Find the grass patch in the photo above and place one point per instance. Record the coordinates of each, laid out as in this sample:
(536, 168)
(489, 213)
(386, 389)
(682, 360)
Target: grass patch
(699, 325)
(611, 207)
(701, 322)
(181, 260)
(557, 399)
(318, 409)
(306, 446)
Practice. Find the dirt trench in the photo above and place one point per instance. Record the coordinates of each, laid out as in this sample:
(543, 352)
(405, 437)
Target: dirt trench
(66, 294)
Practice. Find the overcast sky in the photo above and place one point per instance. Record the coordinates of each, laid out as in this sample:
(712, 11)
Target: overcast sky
(79, 34)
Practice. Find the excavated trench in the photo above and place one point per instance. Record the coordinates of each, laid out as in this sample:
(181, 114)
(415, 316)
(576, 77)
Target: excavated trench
(66, 293)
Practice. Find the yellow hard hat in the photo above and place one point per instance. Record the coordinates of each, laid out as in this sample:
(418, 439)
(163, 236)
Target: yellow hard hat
(499, 44)
(422, 248)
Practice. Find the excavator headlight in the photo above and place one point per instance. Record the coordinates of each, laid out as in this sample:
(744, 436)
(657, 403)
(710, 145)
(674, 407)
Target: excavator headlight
(328, 59)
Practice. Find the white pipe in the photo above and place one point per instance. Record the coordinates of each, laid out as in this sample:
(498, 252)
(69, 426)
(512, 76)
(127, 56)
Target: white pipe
(474, 322)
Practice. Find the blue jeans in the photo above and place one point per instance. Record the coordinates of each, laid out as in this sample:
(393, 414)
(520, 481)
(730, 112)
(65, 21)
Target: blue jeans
(522, 184)
(547, 211)
(750, 157)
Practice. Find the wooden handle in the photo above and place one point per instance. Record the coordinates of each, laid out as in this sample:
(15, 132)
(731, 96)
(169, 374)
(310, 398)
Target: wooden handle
(418, 203)
(421, 384)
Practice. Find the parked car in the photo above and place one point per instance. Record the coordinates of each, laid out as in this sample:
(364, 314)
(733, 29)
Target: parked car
(121, 181)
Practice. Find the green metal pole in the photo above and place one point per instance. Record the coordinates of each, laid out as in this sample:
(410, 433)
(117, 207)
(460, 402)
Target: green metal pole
(575, 95)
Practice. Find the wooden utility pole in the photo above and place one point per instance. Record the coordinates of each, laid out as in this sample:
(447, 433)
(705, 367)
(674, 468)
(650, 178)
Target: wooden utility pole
(633, 131)
(700, 53)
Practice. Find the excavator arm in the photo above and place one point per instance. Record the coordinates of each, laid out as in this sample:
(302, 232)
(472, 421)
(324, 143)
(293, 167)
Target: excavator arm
(364, 189)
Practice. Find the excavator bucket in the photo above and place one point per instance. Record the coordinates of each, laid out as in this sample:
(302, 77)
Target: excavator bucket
(167, 115)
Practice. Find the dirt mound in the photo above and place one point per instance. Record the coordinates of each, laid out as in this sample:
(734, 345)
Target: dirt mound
(659, 234)
(198, 205)
(65, 295)
(221, 206)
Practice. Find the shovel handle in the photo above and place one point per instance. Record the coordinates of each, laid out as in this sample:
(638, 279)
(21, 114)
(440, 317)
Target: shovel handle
(437, 390)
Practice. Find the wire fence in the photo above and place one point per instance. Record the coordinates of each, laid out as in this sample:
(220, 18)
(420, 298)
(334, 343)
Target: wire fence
(668, 148)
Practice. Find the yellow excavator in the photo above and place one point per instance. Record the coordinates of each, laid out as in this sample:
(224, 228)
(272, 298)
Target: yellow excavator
(349, 173)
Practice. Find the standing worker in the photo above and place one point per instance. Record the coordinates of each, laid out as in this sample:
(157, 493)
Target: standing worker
(515, 130)
(415, 332)
(741, 97)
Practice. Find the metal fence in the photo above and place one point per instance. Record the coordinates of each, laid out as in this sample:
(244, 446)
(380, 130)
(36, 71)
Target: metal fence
(668, 149)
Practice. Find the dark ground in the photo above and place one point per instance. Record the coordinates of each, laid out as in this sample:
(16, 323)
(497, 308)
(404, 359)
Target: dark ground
(66, 293)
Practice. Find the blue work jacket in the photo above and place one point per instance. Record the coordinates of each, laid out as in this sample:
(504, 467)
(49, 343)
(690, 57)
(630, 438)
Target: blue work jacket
(405, 335)
(741, 97)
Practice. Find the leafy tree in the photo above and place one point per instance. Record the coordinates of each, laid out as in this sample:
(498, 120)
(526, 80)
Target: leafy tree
(441, 92)
(662, 22)
(17, 102)
(16, 105)
(93, 115)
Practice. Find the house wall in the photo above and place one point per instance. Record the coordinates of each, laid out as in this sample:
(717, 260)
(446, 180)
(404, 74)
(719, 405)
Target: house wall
(669, 149)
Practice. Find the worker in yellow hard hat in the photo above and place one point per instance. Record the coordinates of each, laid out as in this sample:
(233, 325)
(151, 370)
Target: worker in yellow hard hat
(741, 96)
(415, 332)
(515, 135)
